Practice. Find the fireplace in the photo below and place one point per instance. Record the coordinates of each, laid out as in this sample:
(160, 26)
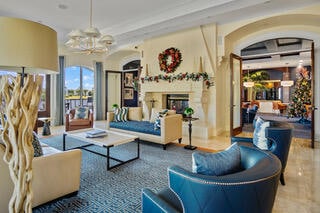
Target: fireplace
(177, 102)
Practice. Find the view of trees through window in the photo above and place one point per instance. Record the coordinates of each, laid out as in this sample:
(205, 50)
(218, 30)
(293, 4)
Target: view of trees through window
(43, 99)
(79, 87)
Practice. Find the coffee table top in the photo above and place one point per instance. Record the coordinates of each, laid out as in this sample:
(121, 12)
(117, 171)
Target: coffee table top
(112, 139)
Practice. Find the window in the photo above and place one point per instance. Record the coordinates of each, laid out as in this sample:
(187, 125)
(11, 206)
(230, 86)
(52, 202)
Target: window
(44, 103)
(79, 87)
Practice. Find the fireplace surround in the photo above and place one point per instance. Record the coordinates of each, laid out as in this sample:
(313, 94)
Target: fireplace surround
(155, 95)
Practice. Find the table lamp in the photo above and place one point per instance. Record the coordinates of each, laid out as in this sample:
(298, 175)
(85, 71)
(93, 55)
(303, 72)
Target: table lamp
(26, 47)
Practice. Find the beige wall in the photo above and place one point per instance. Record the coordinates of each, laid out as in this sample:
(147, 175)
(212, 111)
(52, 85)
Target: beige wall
(193, 44)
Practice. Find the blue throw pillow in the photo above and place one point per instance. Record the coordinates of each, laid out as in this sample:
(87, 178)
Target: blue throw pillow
(221, 163)
(121, 114)
(36, 146)
(81, 113)
(259, 134)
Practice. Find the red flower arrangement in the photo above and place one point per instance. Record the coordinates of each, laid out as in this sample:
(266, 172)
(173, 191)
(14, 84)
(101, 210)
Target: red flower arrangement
(175, 57)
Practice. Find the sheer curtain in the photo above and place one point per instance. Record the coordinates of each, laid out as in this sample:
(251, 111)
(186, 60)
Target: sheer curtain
(57, 92)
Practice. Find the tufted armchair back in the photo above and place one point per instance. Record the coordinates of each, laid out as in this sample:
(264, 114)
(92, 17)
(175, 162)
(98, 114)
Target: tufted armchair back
(251, 190)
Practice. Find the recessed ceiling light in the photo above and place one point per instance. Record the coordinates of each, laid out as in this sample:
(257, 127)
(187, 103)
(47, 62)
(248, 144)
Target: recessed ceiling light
(62, 6)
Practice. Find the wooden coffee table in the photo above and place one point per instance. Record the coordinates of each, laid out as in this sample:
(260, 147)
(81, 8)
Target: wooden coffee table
(111, 140)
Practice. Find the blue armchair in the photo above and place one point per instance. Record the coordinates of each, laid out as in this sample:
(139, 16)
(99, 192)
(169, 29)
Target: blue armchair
(279, 135)
(251, 190)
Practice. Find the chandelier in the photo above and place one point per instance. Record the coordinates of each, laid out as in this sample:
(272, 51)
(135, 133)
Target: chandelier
(89, 40)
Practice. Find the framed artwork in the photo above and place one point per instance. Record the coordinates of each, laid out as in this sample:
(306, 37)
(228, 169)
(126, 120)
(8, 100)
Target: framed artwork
(128, 93)
(128, 79)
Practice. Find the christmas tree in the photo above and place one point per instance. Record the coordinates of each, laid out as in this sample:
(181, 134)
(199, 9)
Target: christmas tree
(301, 96)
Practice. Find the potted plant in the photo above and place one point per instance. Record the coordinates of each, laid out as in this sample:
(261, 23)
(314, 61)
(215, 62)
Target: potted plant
(188, 111)
(115, 106)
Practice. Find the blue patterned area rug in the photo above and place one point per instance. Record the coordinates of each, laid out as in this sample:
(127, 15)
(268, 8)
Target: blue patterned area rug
(119, 189)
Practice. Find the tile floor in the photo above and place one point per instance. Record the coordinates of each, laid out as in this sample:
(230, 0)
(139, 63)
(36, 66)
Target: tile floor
(302, 190)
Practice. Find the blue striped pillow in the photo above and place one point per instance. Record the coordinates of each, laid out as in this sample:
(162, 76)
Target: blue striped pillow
(259, 134)
(121, 114)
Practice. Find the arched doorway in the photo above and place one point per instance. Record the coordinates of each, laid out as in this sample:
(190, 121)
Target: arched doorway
(304, 26)
(285, 93)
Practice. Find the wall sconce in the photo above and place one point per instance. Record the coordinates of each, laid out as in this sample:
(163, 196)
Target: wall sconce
(248, 83)
(286, 83)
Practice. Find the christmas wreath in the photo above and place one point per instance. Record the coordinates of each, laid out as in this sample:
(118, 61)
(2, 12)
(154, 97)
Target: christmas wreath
(169, 60)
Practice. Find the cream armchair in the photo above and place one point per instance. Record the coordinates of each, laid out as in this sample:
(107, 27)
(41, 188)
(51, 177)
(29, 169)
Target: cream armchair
(55, 174)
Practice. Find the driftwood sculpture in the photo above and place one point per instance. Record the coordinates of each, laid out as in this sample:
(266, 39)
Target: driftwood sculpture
(20, 106)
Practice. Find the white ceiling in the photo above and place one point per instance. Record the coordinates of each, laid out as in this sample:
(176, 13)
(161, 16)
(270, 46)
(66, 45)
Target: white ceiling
(132, 21)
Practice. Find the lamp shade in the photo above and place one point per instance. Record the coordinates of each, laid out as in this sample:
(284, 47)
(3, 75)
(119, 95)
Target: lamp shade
(27, 44)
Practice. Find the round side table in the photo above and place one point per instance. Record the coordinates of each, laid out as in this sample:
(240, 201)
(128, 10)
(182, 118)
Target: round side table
(190, 119)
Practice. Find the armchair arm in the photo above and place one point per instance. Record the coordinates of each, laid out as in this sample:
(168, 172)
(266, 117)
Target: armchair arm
(273, 144)
(56, 175)
(241, 139)
(151, 202)
(196, 191)
(171, 128)
(67, 121)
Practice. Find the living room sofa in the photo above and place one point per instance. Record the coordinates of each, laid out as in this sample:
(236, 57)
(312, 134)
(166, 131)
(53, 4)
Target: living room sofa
(170, 126)
(55, 174)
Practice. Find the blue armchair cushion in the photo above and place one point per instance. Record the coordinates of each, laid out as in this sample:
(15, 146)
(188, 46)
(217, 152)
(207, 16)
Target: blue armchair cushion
(121, 114)
(221, 163)
(81, 113)
(259, 134)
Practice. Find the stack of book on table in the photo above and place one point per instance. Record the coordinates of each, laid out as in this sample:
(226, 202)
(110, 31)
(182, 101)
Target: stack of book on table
(95, 133)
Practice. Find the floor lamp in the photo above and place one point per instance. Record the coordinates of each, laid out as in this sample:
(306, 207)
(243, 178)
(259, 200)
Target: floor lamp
(28, 48)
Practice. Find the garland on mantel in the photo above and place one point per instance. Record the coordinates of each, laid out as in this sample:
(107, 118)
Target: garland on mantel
(195, 76)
